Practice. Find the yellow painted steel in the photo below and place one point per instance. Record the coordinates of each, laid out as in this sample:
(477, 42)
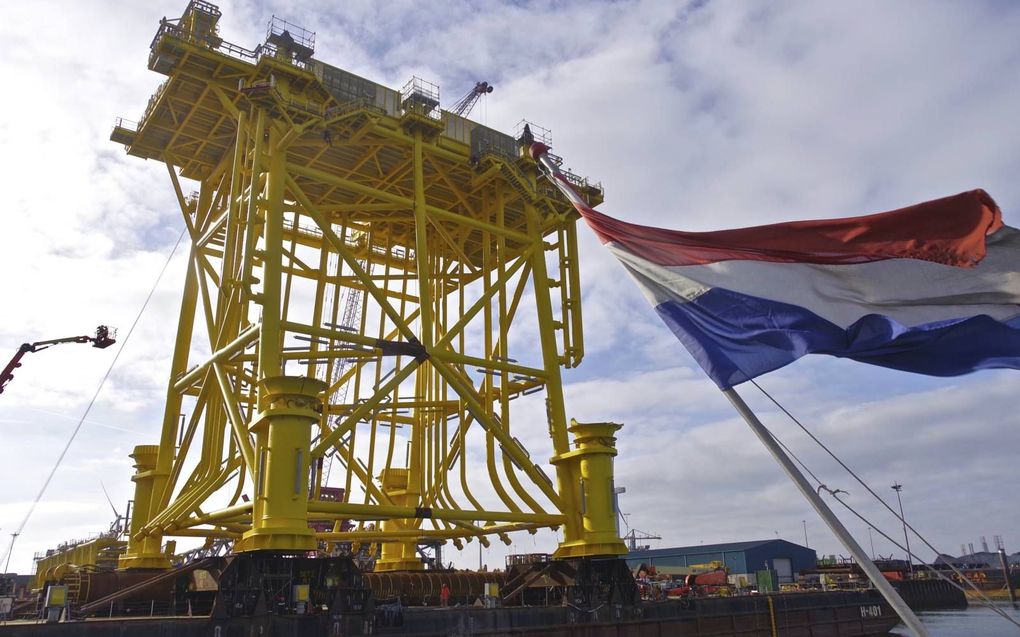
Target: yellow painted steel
(101, 552)
(399, 555)
(288, 407)
(143, 552)
(356, 286)
(592, 461)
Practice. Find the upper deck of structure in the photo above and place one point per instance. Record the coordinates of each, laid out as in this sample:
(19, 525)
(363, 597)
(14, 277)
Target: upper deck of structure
(349, 139)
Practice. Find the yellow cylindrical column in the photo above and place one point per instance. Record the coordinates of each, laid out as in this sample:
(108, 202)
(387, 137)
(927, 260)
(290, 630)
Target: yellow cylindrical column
(398, 556)
(143, 553)
(288, 405)
(592, 461)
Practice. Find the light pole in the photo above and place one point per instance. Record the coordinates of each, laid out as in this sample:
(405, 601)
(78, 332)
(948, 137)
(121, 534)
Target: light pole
(804, 522)
(10, 552)
(910, 563)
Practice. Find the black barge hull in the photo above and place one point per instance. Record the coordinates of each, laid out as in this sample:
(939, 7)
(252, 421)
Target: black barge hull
(834, 614)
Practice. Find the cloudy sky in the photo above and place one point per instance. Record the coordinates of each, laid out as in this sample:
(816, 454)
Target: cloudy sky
(698, 116)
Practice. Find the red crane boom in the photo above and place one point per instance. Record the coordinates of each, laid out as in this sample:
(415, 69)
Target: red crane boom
(103, 338)
(466, 103)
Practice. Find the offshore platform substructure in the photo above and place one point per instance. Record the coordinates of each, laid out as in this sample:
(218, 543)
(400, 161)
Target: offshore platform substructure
(358, 263)
(372, 282)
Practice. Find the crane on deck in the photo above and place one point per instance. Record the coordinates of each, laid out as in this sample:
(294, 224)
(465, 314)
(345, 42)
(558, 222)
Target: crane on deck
(103, 338)
(465, 104)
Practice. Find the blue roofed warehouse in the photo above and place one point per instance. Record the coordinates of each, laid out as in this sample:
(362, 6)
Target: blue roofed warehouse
(785, 558)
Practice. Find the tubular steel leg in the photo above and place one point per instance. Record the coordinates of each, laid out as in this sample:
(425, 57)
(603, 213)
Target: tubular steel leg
(143, 553)
(288, 407)
(398, 556)
(592, 460)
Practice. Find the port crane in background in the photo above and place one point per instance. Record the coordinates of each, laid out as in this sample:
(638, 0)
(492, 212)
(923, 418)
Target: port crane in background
(634, 535)
(103, 338)
(465, 104)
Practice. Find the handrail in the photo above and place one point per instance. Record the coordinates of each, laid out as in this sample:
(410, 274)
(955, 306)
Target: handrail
(127, 124)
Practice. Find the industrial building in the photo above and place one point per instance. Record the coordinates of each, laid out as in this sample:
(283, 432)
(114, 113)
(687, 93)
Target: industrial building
(741, 558)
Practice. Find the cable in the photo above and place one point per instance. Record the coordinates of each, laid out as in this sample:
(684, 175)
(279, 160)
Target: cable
(88, 408)
(985, 602)
(853, 474)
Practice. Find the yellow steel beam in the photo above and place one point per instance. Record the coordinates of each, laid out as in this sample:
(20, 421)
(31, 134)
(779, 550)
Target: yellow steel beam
(237, 420)
(342, 249)
(232, 348)
(379, 512)
(473, 403)
(467, 316)
(426, 534)
(363, 409)
(406, 202)
(451, 356)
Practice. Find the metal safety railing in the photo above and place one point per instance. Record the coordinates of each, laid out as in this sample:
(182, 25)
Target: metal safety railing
(538, 133)
(576, 180)
(279, 28)
(351, 106)
(582, 182)
(270, 48)
(168, 27)
(126, 124)
(422, 97)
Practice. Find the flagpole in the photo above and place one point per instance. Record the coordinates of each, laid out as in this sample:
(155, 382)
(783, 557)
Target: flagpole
(869, 568)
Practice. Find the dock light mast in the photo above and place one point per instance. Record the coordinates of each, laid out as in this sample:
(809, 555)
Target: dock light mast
(906, 537)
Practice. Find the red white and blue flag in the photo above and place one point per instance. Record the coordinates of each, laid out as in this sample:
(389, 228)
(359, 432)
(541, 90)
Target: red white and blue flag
(933, 288)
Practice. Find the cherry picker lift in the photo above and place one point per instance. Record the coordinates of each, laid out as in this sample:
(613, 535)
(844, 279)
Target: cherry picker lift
(103, 338)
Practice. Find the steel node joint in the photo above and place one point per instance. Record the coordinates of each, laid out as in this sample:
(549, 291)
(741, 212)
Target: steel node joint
(412, 348)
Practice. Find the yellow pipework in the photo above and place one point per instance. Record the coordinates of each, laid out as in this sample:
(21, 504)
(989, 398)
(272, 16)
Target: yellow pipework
(567, 478)
(99, 552)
